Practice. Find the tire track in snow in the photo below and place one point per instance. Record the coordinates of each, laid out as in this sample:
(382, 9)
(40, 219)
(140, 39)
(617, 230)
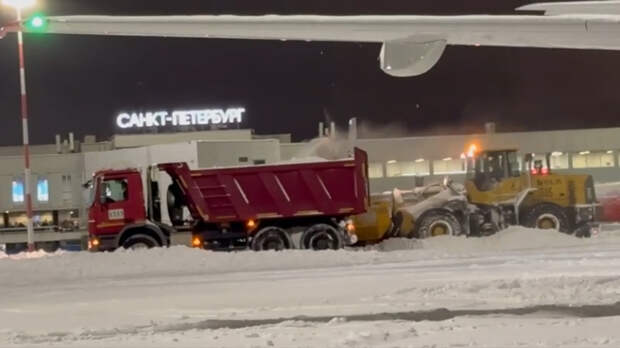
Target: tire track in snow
(436, 315)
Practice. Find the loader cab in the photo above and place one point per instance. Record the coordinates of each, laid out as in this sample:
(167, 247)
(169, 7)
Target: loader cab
(488, 169)
(497, 175)
(537, 165)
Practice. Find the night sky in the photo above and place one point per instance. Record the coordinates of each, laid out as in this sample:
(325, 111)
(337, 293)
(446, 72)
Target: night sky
(80, 84)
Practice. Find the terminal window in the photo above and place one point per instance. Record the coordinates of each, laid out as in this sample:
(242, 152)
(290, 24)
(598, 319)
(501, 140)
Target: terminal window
(18, 191)
(18, 220)
(43, 219)
(593, 160)
(43, 192)
(67, 195)
(449, 166)
(375, 170)
(408, 168)
(559, 161)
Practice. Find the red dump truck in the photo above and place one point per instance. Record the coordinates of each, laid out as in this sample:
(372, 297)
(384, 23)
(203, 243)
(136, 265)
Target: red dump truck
(281, 206)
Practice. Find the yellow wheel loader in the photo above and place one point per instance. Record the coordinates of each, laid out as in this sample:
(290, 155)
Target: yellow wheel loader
(532, 197)
(496, 193)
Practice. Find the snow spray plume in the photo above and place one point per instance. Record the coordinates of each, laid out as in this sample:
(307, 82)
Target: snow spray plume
(330, 148)
(369, 130)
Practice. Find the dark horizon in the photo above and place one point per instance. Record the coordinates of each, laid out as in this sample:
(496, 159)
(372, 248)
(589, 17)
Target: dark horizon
(80, 83)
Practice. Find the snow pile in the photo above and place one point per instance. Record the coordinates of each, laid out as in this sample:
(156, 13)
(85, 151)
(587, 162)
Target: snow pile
(308, 159)
(511, 239)
(478, 288)
(40, 267)
(33, 255)
(178, 260)
(396, 244)
(610, 229)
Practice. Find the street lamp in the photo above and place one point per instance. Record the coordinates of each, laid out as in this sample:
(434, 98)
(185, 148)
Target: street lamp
(19, 5)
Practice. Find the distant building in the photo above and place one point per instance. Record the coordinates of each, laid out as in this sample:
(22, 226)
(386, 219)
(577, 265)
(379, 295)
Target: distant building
(60, 169)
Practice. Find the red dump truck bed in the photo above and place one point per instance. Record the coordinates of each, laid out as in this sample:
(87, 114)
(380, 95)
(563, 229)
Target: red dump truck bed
(330, 188)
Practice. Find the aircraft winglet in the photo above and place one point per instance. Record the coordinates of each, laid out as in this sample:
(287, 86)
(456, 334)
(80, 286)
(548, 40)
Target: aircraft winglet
(611, 7)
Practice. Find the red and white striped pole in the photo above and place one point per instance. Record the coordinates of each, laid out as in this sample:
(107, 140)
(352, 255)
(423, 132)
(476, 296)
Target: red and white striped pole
(24, 116)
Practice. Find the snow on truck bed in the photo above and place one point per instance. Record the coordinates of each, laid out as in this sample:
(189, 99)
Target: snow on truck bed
(444, 291)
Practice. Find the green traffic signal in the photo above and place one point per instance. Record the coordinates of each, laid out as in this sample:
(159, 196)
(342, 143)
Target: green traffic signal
(36, 23)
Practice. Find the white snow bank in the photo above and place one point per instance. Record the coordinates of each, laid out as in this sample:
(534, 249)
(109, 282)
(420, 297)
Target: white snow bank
(33, 255)
(396, 244)
(514, 238)
(173, 261)
(178, 261)
(309, 159)
(167, 297)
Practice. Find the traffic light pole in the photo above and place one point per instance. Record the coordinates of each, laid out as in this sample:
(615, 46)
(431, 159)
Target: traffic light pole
(26, 141)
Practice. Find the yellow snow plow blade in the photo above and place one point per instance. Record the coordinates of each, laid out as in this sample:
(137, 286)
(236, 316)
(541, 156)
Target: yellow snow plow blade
(373, 225)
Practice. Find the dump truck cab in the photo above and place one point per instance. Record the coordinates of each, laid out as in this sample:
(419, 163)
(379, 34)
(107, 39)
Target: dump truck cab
(117, 214)
(529, 193)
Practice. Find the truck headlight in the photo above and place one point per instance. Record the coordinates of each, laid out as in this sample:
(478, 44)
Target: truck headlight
(350, 227)
(93, 243)
(196, 242)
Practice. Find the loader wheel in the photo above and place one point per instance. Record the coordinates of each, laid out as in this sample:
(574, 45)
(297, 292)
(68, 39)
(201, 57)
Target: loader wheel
(547, 217)
(140, 241)
(321, 237)
(438, 223)
(271, 238)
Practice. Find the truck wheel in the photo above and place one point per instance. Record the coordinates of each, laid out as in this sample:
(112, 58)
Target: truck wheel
(140, 241)
(321, 237)
(271, 238)
(438, 223)
(547, 217)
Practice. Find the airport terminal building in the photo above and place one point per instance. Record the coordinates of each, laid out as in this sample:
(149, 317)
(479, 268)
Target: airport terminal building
(59, 169)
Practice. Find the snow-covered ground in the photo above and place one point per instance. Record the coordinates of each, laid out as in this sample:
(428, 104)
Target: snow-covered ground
(518, 288)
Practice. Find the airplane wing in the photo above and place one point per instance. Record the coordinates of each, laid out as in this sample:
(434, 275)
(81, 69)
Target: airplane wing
(411, 44)
(575, 7)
